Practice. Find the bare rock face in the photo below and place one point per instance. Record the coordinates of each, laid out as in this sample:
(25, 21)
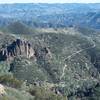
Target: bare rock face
(23, 48)
(2, 90)
(17, 47)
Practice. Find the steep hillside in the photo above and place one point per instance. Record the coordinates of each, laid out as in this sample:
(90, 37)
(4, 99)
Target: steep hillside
(66, 58)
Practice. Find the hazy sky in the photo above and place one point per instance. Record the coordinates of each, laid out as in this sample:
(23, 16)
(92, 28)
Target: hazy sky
(49, 1)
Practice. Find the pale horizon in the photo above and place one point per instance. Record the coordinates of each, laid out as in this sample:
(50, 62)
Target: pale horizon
(49, 1)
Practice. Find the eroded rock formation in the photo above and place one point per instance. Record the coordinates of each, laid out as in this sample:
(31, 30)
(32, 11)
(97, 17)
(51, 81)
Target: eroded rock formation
(23, 48)
(17, 47)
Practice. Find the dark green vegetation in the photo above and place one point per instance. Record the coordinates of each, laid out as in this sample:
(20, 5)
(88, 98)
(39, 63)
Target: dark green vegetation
(43, 58)
(66, 59)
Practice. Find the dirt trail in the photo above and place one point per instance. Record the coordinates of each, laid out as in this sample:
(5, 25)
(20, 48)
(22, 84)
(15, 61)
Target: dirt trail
(70, 56)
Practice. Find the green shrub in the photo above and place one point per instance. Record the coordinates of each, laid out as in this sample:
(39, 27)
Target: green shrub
(41, 93)
(10, 81)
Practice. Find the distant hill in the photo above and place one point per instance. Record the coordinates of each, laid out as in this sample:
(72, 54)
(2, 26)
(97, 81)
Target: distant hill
(51, 15)
(19, 28)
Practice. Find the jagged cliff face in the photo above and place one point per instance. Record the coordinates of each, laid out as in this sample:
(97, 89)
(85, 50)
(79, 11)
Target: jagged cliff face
(16, 48)
(23, 48)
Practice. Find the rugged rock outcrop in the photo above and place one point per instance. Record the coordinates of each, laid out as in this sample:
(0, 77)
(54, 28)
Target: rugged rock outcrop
(23, 48)
(17, 47)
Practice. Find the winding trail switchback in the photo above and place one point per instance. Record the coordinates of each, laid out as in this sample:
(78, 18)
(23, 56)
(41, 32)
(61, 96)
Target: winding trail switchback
(70, 56)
